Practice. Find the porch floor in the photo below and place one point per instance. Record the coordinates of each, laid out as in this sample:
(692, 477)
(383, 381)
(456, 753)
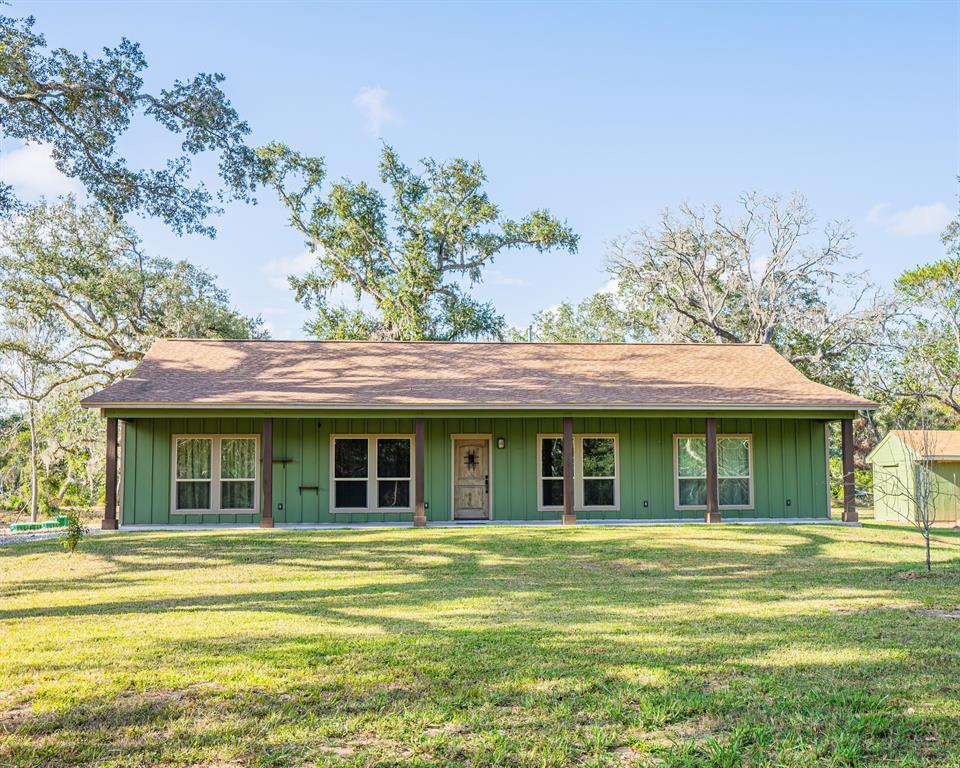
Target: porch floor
(478, 523)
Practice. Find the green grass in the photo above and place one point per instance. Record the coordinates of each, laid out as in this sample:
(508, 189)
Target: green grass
(592, 646)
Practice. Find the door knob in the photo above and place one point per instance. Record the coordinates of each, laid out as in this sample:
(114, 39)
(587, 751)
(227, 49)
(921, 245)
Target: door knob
(486, 483)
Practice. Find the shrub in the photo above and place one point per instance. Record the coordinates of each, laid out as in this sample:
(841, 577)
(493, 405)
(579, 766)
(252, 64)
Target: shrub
(75, 531)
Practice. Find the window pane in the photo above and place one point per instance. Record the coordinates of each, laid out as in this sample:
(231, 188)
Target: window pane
(551, 457)
(693, 493)
(692, 456)
(237, 494)
(350, 493)
(238, 458)
(193, 458)
(393, 493)
(393, 457)
(734, 492)
(553, 493)
(733, 457)
(598, 458)
(598, 493)
(193, 495)
(350, 458)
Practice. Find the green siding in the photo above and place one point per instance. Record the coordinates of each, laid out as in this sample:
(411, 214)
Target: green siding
(788, 459)
(947, 491)
(892, 465)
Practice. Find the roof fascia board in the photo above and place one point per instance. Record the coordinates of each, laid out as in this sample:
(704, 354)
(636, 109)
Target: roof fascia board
(488, 406)
(819, 412)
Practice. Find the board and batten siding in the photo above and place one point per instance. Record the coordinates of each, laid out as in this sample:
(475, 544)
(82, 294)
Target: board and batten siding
(947, 491)
(789, 460)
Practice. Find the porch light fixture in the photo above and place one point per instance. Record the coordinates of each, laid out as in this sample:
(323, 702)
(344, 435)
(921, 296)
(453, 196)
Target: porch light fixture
(501, 443)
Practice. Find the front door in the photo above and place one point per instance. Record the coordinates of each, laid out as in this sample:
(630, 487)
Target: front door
(471, 479)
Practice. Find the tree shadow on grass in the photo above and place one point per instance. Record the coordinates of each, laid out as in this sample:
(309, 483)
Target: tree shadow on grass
(540, 648)
(385, 700)
(595, 589)
(561, 568)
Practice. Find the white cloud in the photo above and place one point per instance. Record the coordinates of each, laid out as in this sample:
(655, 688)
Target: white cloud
(371, 103)
(496, 277)
(918, 220)
(922, 220)
(31, 172)
(875, 214)
(279, 269)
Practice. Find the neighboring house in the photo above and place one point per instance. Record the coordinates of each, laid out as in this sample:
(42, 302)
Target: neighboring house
(897, 459)
(283, 432)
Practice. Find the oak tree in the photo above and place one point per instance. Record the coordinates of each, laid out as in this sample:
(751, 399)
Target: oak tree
(412, 252)
(759, 277)
(88, 270)
(82, 105)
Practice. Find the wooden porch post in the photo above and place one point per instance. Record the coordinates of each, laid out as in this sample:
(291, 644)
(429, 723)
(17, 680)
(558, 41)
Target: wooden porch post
(110, 501)
(849, 487)
(266, 516)
(420, 509)
(712, 514)
(569, 516)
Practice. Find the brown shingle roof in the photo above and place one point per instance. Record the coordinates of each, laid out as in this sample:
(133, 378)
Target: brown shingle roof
(460, 375)
(932, 443)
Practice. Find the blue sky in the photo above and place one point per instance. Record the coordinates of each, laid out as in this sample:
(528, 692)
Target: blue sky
(603, 113)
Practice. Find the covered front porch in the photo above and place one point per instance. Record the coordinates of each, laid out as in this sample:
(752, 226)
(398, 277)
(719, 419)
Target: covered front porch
(331, 469)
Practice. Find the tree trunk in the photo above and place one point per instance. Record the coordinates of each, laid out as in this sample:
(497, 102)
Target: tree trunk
(926, 539)
(34, 492)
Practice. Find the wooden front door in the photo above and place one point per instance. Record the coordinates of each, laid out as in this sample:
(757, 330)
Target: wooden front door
(471, 479)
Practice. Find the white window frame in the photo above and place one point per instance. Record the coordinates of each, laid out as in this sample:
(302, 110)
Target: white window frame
(215, 479)
(676, 471)
(578, 478)
(372, 475)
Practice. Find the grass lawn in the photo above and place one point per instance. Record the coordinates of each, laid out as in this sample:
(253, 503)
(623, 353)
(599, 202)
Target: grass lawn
(673, 646)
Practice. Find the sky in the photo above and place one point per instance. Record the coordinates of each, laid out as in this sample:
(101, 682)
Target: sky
(603, 113)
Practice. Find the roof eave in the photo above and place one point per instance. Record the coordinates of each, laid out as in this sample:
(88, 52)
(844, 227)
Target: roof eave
(829, 406)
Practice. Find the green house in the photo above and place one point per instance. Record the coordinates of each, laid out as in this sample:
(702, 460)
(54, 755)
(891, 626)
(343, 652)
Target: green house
(331, 433)
(898, 459)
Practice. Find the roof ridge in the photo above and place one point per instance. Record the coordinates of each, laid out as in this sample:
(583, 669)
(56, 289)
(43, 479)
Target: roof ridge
(479, 343)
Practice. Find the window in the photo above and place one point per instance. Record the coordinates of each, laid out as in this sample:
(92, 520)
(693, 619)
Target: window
(371, 473)
(551, 472)
(393, 472)
(194, 473)
(595, 472)
(238, 473)
(215, 474)
(598, 471)
(350, 474)
(734, 471)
